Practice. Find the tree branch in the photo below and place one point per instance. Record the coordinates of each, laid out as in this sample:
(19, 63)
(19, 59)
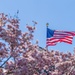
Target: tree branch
(5, 61)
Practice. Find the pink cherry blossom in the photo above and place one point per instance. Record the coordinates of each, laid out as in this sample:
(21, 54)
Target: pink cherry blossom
(19, 56)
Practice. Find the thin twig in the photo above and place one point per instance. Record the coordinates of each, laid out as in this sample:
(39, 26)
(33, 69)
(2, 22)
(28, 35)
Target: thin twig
(42, 48)
(5, 61)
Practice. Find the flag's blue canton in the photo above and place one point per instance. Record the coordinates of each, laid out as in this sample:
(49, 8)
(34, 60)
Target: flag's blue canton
(50, 33)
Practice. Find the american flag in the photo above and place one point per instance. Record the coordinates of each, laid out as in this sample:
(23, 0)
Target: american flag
(55, 36)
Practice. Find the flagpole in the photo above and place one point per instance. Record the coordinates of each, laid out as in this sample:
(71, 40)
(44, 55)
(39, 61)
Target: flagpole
(47, 24)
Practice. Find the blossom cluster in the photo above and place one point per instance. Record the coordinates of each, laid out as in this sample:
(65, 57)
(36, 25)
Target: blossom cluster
(19, 56)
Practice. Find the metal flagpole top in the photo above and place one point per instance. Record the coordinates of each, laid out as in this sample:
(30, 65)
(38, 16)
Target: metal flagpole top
(47, 24)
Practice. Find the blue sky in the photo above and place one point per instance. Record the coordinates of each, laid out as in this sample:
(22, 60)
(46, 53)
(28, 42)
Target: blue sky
(60, 14)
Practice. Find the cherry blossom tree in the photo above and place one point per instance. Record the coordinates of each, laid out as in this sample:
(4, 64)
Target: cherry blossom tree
(18, 56)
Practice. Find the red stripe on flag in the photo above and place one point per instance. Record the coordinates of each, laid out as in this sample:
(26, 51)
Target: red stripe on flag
(54, 40)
